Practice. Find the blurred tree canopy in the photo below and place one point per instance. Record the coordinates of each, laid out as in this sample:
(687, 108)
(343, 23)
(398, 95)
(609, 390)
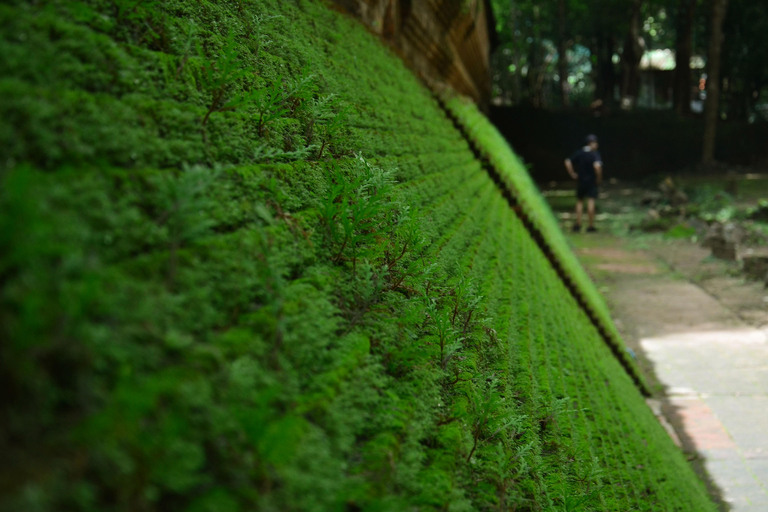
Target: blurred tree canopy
(588, 53)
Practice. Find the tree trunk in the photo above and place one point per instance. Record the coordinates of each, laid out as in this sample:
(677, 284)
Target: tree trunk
(536, 62)
(562, 49)
(683, 54)
(605, 74)
(633, 54)
(712, 108)
(516, 75)
(531, 78)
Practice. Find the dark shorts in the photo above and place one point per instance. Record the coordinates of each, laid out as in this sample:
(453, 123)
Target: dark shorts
(586, 190)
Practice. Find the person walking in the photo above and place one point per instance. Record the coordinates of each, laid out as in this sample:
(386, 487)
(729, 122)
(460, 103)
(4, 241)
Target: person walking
(586, 167)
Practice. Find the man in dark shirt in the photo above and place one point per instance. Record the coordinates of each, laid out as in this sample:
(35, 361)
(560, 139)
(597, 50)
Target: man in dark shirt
(586, 167)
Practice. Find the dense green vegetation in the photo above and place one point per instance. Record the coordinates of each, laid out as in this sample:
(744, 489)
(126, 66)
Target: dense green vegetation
(596, 46)
(248, 263)
(512, 172)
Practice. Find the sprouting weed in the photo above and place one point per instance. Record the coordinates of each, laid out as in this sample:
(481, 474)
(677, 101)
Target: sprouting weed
(270, 105)
(255, 33)
(189, 43)
(143, 21)
(356, 211)
(329, 118)
(279, 100)
(301, 90)
(490, 413)
(219, 78)
(446, 335)
(185, 208)
(505, 468)
(465, 302)
(264, 153)
(133, 10)
(553, 412)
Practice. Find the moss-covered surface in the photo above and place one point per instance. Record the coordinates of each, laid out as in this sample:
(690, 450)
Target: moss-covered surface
(248, 263)
(536, 211)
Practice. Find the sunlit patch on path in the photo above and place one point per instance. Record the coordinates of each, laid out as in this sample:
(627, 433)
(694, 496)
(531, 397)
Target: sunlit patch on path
(717, 397)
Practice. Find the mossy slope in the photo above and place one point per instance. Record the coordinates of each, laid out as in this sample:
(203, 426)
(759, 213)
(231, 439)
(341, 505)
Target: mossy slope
(514, 177)
(247, 263)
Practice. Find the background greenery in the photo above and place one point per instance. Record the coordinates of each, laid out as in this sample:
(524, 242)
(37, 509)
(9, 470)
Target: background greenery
(589, 44)
(248, 263)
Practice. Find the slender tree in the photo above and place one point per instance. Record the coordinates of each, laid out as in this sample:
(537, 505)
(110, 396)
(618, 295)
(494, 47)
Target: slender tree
(536, 63)
(712, 109)
(683, 53)
(745, 54)
(562, 49)
(633, 53)
(516, 81)
(604, 71)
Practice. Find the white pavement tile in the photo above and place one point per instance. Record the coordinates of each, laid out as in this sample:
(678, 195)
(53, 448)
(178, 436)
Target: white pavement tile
(717, 383)
(716, 454)
(759, 469)
(745, 418)
(731, 474)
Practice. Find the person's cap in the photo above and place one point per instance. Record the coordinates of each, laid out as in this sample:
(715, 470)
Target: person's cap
(591, 138)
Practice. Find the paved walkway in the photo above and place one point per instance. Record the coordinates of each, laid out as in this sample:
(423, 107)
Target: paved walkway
(709, 357)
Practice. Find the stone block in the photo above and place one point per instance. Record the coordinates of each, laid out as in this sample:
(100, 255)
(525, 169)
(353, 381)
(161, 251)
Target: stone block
(755, 267)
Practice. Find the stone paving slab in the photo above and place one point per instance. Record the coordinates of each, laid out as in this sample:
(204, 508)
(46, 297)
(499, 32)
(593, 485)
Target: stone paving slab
(717, 389)
(702, 430)
(711, 361)
(648, 308)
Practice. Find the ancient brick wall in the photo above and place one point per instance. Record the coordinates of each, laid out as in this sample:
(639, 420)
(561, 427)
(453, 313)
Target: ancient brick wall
(444, 41)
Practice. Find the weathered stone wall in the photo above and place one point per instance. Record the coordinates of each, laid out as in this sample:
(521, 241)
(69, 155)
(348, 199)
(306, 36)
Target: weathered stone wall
(444, 41)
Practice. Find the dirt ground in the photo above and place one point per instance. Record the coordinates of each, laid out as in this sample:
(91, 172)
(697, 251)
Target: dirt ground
(620, 251)
(721, 280)
(654, 287)
(653, 283)
(676, 268)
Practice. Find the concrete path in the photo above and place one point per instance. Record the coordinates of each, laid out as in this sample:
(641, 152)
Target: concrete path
(709, 360)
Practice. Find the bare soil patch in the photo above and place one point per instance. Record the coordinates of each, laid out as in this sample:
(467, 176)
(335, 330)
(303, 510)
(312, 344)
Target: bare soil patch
(721, 280)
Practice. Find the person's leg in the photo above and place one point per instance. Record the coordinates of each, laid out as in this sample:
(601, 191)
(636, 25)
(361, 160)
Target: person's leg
(579, 212)
(591, 211)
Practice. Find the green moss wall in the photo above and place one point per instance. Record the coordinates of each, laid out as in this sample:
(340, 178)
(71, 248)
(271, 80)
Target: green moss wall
(249, 263)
